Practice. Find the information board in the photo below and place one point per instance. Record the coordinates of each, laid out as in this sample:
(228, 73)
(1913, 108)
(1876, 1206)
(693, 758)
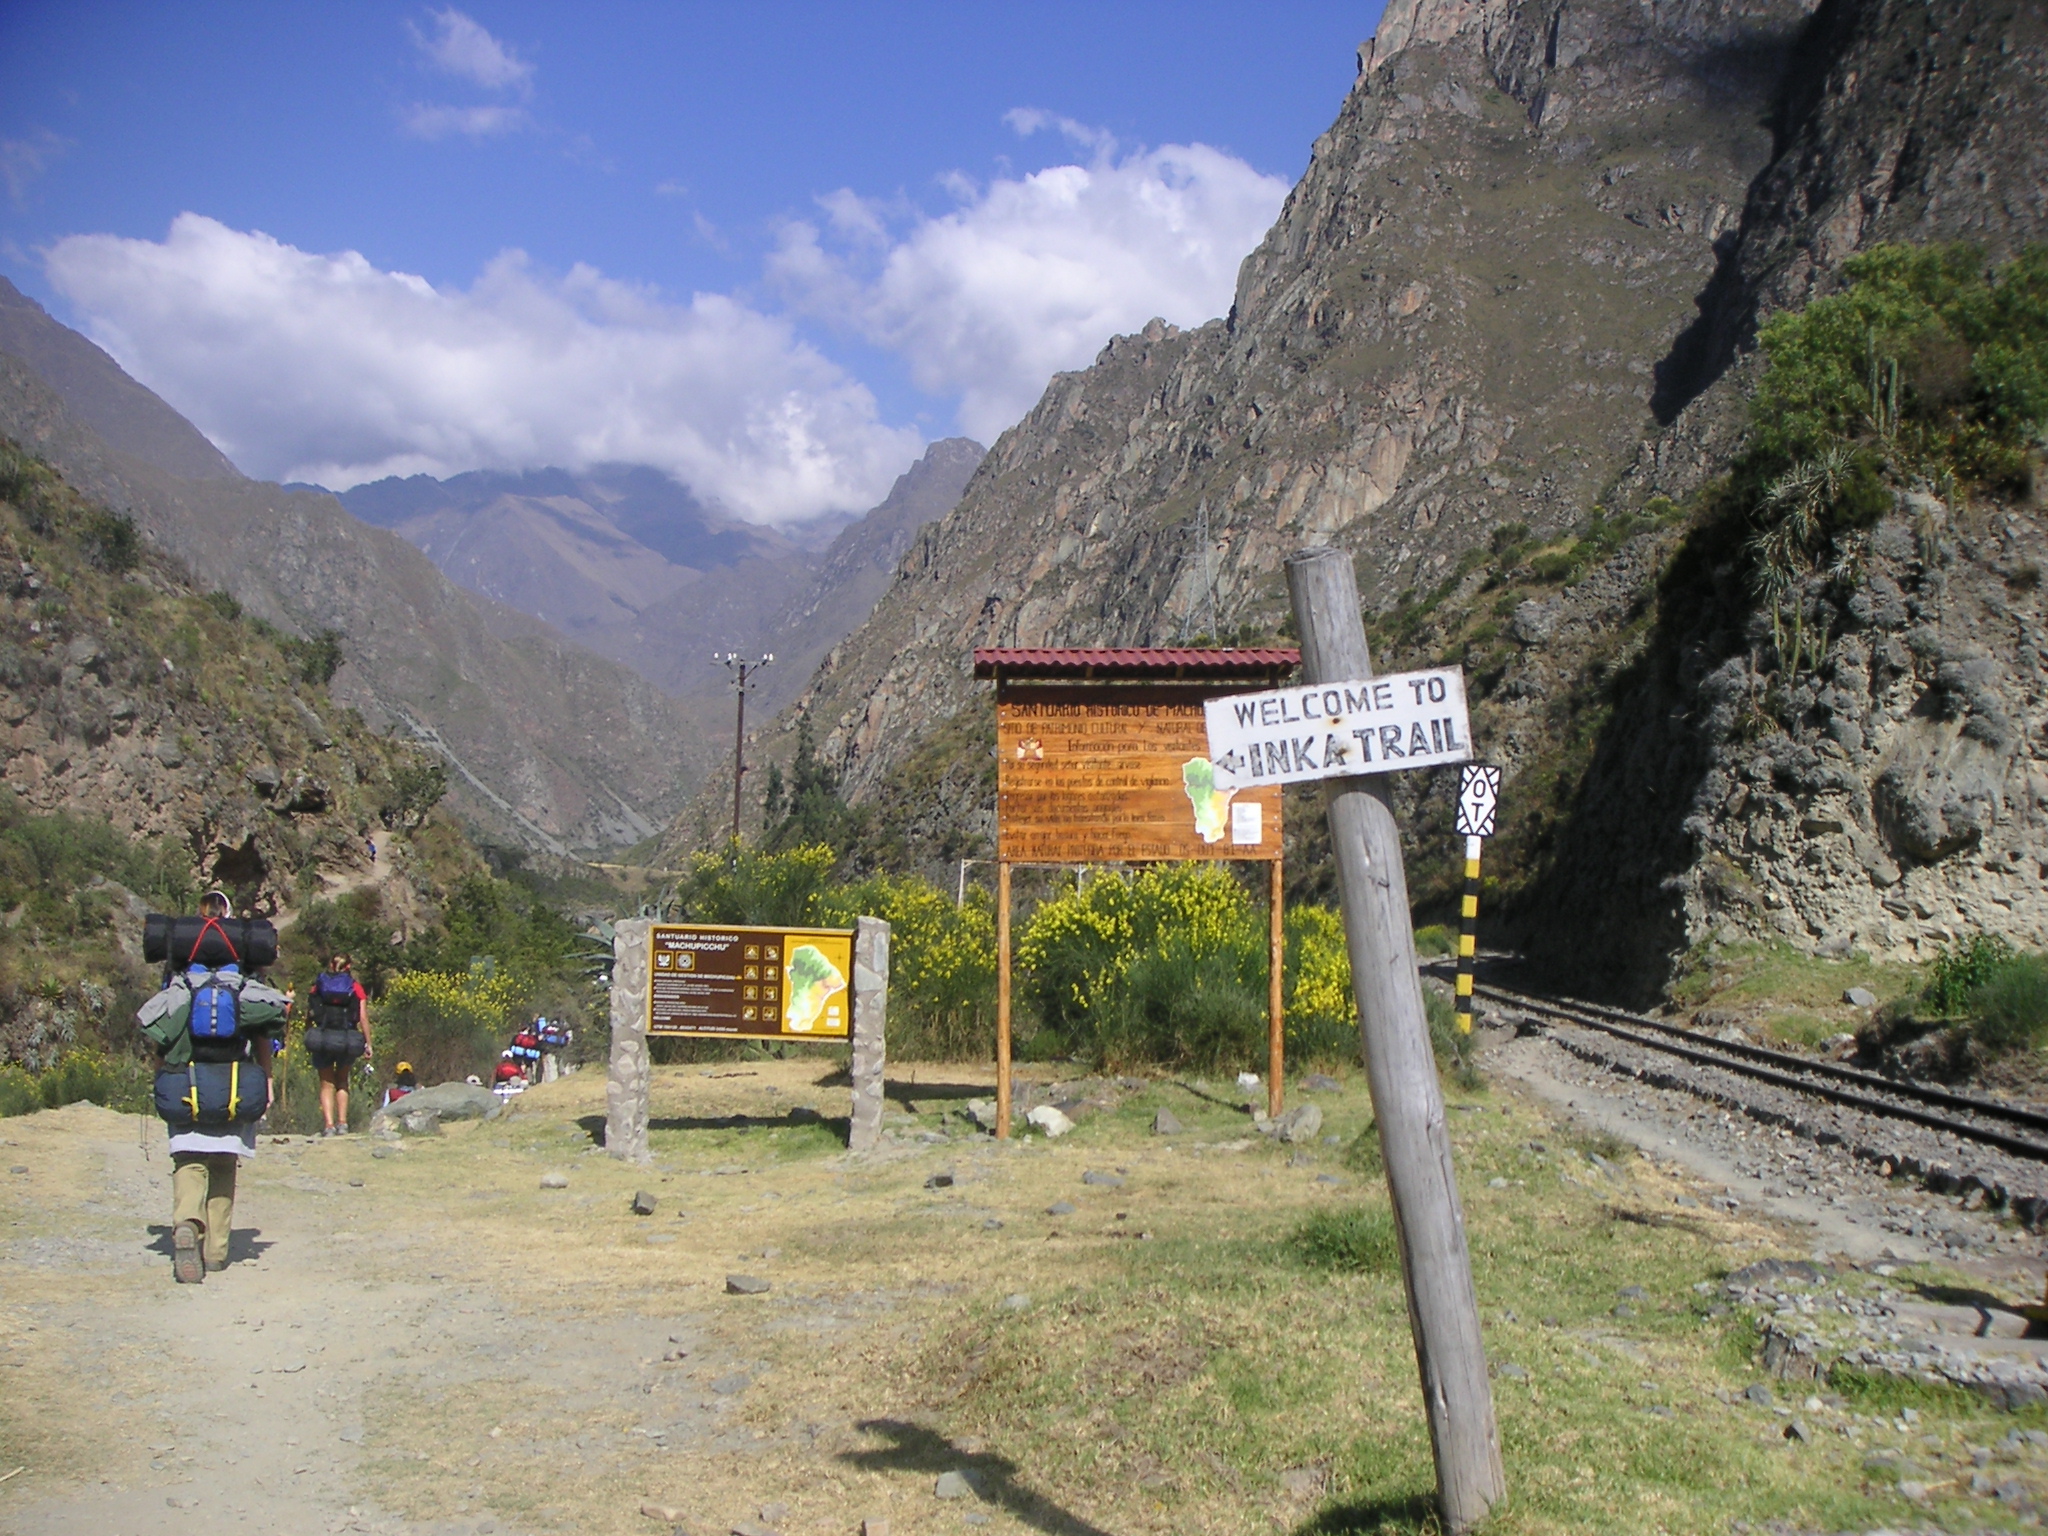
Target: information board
(764, 983)
(1082, 778)
(1334, 730)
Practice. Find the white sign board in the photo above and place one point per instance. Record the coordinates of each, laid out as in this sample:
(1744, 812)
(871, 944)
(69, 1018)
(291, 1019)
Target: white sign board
(1478, 797)
(1333, 730)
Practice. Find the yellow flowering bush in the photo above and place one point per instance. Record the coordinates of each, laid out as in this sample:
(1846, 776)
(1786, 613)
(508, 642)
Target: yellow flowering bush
(448, 1024)
(942, 964)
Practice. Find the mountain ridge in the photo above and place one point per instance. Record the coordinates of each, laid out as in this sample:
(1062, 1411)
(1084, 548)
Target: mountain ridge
(639, 571)
(576, 752)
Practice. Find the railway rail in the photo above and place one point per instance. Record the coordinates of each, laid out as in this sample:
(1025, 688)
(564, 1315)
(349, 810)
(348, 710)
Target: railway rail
(2017, 1130)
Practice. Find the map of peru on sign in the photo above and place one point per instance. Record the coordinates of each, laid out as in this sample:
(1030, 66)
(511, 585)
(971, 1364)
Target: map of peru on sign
(1333, 730)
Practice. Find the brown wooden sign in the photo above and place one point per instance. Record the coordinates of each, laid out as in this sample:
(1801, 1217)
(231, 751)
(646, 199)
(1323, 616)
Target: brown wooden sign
(1112, 774)
(759, 983)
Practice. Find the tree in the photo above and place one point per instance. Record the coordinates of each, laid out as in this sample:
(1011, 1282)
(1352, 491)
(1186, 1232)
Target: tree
(816, 815)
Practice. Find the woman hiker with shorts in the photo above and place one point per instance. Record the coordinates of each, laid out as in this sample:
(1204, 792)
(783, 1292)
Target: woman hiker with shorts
(337, 1033)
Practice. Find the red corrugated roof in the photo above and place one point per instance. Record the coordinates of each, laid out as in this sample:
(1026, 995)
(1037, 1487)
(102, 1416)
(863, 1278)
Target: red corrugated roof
(1135, 661)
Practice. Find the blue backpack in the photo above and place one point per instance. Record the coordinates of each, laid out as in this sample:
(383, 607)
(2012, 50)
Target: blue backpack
(216, 1001)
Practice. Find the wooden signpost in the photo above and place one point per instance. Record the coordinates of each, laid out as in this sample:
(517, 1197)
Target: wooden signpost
(1407, 1101)
(1102, 757)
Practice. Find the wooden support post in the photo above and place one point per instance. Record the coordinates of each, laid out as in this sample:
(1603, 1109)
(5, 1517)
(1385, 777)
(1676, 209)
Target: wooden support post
(1436, 1264)
(1276, 984)
(1002, 1000)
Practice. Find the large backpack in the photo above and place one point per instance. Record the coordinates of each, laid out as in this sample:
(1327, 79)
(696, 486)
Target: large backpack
(333, 1001)
(216, 1002)
(204, 1094)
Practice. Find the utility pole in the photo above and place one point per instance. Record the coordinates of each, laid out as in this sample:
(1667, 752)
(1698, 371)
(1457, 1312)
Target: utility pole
(1407, 1101)
(742, 672)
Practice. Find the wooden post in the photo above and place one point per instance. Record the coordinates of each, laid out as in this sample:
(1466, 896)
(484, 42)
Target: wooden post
(1436, 1265)
(1276, 1031)
(1002, 999)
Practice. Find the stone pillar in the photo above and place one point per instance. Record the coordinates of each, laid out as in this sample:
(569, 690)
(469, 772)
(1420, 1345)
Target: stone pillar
(870, 1011)
(625, 1096)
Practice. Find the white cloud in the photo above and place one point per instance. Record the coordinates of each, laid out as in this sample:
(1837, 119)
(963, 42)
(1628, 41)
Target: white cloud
(1031, 275)
(324, 368)
(23, 160)
(435, 122)
(459, 46)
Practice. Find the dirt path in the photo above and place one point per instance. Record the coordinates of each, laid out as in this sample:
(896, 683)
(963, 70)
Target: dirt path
(239, 1402)
(420, 1338)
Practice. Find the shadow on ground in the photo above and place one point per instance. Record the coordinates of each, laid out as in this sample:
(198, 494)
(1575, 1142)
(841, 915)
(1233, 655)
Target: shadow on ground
(1415, 1513)
(243, 1242)
(994, 1478)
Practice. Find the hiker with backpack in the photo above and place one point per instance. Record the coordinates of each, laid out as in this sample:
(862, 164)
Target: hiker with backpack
(337, 1035)
(211, 1026)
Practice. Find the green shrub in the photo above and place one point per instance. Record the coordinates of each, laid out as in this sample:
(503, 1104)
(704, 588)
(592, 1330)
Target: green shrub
(1435, 939)
(2011, 1004)
(1358, 1241)
(1171, 966)
(80, 1075)
(1929, 354)
(759, 887)
(1959, 970)
(111, 541)
(19, 1092)
(318, 656)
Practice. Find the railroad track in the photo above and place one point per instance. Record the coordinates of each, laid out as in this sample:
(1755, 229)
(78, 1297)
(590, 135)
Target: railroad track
(2019, 1130)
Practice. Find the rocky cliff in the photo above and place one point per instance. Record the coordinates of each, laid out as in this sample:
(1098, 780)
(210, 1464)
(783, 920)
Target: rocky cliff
(1453, 325)
(548, 745)
(1894, 801)
(1497, 347)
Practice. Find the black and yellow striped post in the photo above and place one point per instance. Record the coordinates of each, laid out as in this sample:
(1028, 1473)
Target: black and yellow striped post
(1468, 933)
(1478, 796)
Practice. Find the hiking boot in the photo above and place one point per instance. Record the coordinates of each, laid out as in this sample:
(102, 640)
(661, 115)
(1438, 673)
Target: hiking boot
(215, 1266)
(187, 1268)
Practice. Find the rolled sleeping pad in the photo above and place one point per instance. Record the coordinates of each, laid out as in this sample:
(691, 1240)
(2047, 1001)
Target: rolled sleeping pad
(250, 942)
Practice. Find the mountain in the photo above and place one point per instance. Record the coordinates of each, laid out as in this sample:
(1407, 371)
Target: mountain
(1499, 345)
(623, 560)
(549, 745)
(94, 389)
(158, 741)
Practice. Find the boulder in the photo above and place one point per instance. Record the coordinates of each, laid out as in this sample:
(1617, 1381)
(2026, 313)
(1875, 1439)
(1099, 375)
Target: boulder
(1049, 1120)
(1166, 1123)
(1302, 1123)
(447, 1101)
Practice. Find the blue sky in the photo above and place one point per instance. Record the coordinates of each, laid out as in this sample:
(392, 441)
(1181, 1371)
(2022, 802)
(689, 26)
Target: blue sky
(768, 248)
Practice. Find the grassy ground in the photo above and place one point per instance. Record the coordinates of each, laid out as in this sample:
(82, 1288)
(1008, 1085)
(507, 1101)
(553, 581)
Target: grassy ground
(1172, 1355)
(1789, 997)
